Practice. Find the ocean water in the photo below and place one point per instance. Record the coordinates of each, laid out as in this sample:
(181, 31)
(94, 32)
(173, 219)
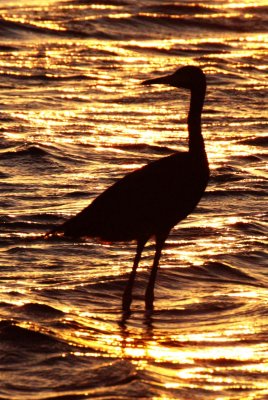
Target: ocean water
(74, 119)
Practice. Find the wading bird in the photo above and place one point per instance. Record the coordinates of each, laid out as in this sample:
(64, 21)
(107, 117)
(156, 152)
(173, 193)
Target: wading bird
(149, 201)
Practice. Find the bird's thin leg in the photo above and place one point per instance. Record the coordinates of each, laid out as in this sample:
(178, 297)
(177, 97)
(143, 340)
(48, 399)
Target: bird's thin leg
(149, 294)
(127, 295)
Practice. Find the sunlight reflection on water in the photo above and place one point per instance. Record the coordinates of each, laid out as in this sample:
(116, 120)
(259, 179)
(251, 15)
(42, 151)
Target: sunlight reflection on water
(75, 118)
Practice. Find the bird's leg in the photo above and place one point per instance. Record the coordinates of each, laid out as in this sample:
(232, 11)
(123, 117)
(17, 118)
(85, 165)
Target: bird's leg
(127, 295)
(149, 294)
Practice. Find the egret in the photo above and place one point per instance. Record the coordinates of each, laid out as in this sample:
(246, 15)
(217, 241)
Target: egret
(151, 200)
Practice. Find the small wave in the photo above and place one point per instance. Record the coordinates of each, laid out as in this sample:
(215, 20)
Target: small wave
(205, 308)
(215, 271)
(14, 225)
(45, 217)
(215, 46)
(77, 194)
(31, 150)
(145, 148)
(238, 23)
(3, 175)
(11, 332)
(224, 270)
(21, 230)
(8, 48)
(177, 50)
(46, 77)
(189, 233)
(235, 192)
(46, 153)
(16, 29)
(41, 310)
(251, 158)
(257, 141)
(72, 28)
(263, 10)
(148, 19)
(171, 8)
(226, 174)
(256, 228)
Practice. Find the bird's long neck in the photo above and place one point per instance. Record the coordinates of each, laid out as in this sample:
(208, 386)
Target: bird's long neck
(196, 141)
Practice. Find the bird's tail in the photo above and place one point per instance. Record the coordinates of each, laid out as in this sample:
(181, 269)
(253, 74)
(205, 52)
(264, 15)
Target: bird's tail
(69, 228)
(74, 227)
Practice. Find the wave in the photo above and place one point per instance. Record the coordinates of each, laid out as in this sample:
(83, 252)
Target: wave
(171, 8)
(17, 225)
(115, 3)
(81, 30)
(256, 228)
(148, 21)
(8, 48)
(145, 148)
(26, 337)
(177, 50)
(214, 271)
(28, 150)
(147, 25)
(200, 312)
(46, 77)
(226, 271)
(11, 29)
(259, 192)
(261, 141)
(226, 174)
(7, 219)
(43, 152)
(202, 16)
(40, 310)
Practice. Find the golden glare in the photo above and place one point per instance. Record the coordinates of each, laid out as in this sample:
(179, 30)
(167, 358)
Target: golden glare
(221, 348)
(78, 99)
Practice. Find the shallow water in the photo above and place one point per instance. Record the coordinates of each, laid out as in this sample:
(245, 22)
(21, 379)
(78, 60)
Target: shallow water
(74, 119)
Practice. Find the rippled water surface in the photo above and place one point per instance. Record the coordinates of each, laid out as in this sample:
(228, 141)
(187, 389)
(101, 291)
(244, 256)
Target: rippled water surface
(74, 119)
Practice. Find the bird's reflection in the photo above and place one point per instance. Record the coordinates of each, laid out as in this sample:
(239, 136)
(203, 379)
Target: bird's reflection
(133, 343)
(147, 318)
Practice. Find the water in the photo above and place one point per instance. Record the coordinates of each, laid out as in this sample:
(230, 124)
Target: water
(74, 119)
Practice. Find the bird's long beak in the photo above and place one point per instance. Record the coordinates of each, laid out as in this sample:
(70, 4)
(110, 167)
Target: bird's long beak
(163, 80)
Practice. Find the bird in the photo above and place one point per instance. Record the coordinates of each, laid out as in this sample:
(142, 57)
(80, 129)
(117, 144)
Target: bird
(148, 202)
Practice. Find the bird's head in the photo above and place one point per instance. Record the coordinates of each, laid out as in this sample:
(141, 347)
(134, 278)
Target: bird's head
(189, 77)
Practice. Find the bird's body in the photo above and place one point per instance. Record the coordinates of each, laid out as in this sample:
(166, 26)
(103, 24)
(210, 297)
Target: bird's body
(136, 205)
(149, 201)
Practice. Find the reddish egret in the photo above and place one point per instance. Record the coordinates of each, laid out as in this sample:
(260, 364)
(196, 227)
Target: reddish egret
(149, 201)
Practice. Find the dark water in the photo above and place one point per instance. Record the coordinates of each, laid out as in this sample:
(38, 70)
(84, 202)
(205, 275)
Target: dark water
(74, 119)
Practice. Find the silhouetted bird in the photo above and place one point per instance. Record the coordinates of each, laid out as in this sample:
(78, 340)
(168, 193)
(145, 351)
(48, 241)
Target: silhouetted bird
(149, 201)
